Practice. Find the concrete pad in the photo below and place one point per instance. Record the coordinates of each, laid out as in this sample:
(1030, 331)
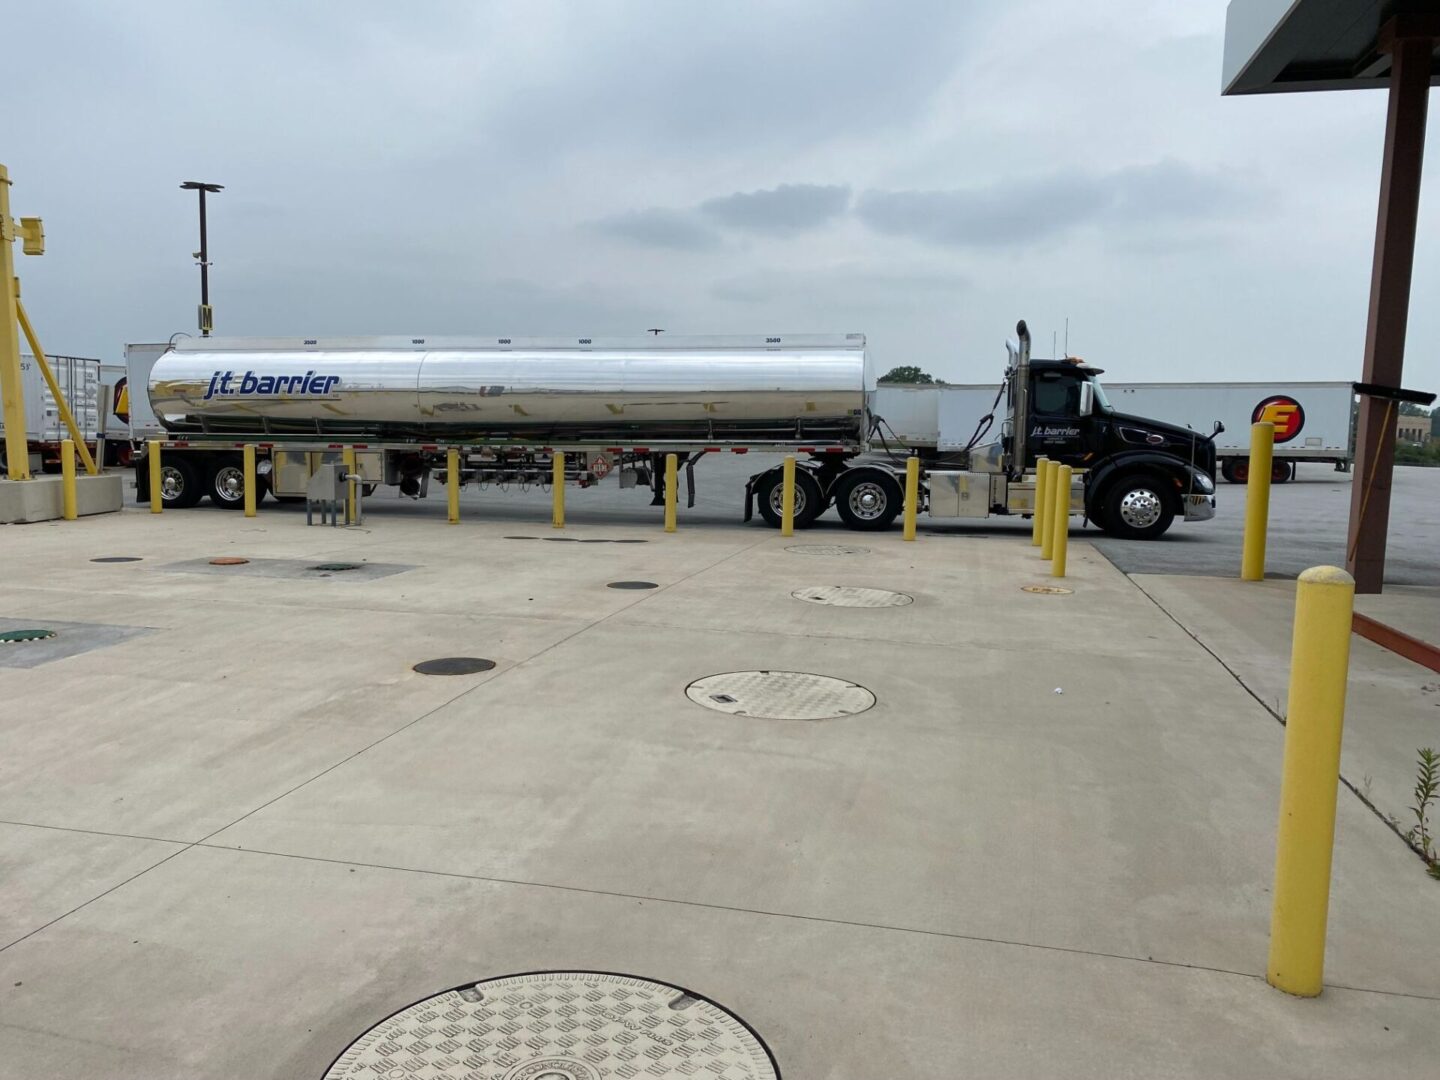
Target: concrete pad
(1392, 706)
(71, 639)
(41, 498)
(224, 964)
(47, 873)
(288, 569)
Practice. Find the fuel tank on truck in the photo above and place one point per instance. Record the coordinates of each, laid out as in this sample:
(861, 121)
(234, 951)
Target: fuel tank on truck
(781, 387)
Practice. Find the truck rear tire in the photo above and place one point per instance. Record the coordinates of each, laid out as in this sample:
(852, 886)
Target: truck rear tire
(809, 503)
(1138, 507)
(225, 483)
(868, 499)
(179, 482)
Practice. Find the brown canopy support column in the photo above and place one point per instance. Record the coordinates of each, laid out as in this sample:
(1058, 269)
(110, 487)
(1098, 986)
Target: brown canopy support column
(1410, 42)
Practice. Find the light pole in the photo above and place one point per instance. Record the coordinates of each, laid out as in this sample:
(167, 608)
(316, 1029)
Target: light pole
(206, 315)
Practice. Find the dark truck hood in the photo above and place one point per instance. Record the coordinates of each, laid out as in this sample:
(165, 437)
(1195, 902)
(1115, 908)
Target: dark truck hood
(1133, 431)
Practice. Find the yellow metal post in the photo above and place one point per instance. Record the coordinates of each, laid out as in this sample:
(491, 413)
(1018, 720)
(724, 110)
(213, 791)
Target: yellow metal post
(672, 490)
(12, 401)
(152, 457)
(67, 479)
(1257, 501)
(60, 403)
(1037, 518)
(1047, 527)
(912, 495)
(1319, 664)
(787, 497)
(452, 485)
(557, 489)
(252, 493)
(1060, 542)
(347, 455)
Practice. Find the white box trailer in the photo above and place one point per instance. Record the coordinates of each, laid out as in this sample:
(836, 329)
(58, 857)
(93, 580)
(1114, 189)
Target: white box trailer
(79, 381)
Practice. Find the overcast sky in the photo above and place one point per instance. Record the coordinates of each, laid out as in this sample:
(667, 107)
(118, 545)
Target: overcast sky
(923, 172)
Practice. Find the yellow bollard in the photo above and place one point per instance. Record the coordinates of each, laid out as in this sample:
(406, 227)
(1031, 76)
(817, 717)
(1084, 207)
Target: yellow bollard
(1257, 501)
(452, 484)
(252, 493)
(348, 457)
(67, 479)
(912, 495)
(1319, 663)
(1047, 527)
(557, 489)
(787, 497)
(1060, 542)
(157, 500)
(1037, 517)
(672, 490)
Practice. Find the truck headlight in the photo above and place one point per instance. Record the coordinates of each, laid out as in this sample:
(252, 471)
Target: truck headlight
(1204, 484)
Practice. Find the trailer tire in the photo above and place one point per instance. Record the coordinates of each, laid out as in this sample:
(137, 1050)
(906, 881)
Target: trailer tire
(868, 499)
(179, 482)
(1235, 470)
(1138, 507)
(225, 483)
(1281, 472)
(809, 502)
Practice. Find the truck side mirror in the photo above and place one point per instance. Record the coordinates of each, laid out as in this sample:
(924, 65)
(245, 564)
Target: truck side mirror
(1087, 399)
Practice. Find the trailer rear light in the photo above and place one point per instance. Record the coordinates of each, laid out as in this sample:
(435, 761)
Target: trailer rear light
(739, 450)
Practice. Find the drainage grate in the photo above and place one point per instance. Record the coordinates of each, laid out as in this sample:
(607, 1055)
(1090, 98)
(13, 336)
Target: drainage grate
(632, 585)
(19, 637)
(1048, 590)
(559, 1025)
(117, 558)
(227, 560)
(454, 665)
(780, 695)
(828, 549)
(852, 596)
(337, 567)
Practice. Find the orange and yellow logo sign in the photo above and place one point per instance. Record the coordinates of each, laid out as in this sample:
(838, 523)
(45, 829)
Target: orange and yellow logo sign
(1284, 412)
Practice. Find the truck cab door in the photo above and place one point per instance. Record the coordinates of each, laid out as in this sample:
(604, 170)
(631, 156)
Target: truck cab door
(1057, 429)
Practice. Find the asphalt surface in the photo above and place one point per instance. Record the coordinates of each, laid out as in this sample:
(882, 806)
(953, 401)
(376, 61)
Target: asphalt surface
(1308, 519)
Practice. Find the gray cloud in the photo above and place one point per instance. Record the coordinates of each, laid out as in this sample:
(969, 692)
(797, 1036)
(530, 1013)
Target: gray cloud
(1023, 212)
(659, 227)
(789, 207)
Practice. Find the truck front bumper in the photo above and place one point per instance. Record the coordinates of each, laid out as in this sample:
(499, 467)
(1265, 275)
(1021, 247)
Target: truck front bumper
(1199, 507)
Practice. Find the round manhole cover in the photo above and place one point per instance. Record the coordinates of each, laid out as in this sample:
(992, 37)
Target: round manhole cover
(228, 560)
(20, 637)
(632, 585)
(780, 695)
(562, 539)
(521, 538)
(117, 558)
(828, 549)
(559, 1025)
(852, 596)
(454, 665)
(336, 567)
(1048, 590)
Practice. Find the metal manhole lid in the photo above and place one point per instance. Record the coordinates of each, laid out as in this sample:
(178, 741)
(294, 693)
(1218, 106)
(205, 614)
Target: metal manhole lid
(118, 558)
(828, 549)
(1048, 590)
(228, 560)
(631, 585)
(336, 567)
(780, 695)
(559, 1025)
(852, 596)
(454, 665)
(20, 637)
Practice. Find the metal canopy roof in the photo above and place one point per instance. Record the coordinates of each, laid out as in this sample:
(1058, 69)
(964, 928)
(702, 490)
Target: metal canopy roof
(1280, 46)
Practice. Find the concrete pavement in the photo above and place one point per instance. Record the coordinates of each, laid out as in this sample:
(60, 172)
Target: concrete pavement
(243, 837)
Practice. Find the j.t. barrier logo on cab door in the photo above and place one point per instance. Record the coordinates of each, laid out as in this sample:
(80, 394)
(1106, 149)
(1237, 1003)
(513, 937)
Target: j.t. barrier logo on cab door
(1284, 412)
(248, 384)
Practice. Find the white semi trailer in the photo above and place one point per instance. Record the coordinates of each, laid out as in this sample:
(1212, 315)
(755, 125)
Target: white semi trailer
(509, 405)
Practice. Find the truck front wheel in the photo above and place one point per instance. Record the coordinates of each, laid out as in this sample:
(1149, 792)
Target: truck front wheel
(1138, 508)
(867, 499)
(809, 503)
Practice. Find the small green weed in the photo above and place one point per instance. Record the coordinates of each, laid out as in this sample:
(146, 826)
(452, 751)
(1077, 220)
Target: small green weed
(1427, 787)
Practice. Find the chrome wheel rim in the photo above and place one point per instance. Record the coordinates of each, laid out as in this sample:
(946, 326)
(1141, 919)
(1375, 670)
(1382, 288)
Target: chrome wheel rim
(230, 483)
(777, 499)
(866, 500)
(1140, 508)
(172, 482)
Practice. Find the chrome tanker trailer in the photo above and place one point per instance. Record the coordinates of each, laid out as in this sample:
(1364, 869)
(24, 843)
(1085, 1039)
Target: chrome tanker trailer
(508, 405)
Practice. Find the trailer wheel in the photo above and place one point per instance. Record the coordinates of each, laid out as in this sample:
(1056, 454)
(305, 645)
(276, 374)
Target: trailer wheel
(1235, 470)
(225, 482)
(179, 482)
(1138, 507)
(809, 503)
(868, 499)
(1281, 472)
